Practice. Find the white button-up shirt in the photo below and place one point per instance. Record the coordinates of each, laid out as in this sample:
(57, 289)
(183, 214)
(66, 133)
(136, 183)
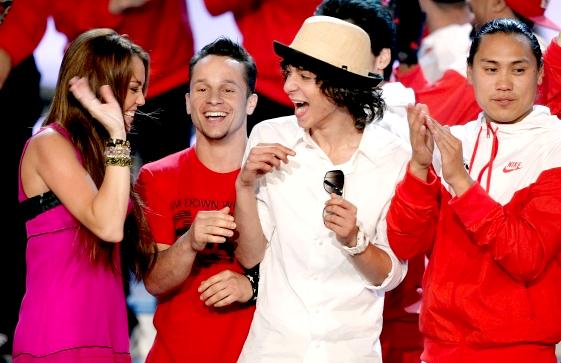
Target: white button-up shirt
(313, 304)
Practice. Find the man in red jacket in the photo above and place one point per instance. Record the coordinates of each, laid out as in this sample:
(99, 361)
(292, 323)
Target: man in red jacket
(487, 212)
(451, 97)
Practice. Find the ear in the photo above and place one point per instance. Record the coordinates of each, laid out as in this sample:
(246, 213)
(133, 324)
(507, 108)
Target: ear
(497, 6)
(251, 103)
(469, 74)
(382, 60)
(540, 75)
(187, 100)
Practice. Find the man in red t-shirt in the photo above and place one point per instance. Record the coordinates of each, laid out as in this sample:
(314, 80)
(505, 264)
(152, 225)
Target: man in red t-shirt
(189, 196)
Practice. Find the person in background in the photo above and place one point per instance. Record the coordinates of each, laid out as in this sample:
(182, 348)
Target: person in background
(162, 127)
(260, 22)
(485, 204)
(440, 80)
(203, 314)
(306, 208)
(448, 23)
(409, 22)
(75, 194)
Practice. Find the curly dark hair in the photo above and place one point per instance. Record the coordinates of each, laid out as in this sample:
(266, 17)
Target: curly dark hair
(364, 102)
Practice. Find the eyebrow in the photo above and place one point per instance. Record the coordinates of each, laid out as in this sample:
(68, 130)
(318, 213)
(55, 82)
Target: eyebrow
(516, 62)
(134, 80)
(228, 81)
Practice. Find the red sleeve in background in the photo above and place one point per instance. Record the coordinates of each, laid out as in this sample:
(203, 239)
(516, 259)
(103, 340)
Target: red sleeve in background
(23, 28)
(550, 89)
(451, 99)
(218, 7)
(412, 78)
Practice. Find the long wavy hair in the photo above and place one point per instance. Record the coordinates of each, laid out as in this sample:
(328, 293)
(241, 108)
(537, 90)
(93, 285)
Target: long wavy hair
(103, 57)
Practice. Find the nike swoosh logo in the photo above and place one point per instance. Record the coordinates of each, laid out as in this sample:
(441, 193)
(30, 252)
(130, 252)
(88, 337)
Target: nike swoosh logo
(507, 169)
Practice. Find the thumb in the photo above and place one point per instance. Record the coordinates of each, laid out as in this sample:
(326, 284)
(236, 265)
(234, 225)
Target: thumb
(225, 210)
(107, 94)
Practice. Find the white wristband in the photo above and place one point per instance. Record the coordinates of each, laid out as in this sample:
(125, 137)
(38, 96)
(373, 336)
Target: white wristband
(361, 244)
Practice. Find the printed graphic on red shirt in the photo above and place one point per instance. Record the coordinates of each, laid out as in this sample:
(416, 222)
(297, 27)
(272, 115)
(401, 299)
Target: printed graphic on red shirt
(184, 212)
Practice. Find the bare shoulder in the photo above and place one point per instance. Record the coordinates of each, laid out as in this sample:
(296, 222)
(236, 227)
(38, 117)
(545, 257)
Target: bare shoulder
(48, 152)
(49, 144)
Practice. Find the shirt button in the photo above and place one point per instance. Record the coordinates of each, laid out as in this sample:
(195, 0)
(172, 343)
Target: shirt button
(320, 243)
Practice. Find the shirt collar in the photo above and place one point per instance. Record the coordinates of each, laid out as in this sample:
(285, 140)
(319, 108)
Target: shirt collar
(375, 144)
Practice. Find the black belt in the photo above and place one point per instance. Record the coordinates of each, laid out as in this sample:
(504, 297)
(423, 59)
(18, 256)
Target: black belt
(38, 204)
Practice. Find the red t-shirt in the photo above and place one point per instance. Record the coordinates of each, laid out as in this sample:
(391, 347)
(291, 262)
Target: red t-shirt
(174, 189)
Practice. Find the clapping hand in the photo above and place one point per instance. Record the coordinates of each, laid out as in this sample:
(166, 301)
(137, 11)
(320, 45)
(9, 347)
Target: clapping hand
(453, 169)
(422, 143)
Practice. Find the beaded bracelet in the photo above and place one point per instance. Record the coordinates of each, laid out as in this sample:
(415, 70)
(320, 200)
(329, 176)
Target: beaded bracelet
(117, 152)
(117, 142)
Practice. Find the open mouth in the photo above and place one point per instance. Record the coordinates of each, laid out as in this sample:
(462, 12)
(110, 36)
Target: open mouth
(215, 115)
(129, 118)
(300, 107)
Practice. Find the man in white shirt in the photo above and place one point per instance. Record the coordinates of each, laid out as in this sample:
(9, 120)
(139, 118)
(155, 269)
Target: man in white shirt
(323, 246)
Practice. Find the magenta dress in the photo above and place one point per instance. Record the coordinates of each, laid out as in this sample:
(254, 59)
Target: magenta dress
(73, 310)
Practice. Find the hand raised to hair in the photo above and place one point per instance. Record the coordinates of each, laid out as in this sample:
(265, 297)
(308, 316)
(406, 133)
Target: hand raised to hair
(422, 143)
(212, 226)
(453, 169)
(108, 112)
(225, 288)
(262, 159)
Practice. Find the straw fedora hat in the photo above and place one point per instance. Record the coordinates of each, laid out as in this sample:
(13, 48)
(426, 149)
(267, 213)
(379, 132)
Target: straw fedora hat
(333, 45)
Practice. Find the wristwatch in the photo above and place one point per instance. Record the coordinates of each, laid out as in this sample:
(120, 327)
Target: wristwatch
(361, 244)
